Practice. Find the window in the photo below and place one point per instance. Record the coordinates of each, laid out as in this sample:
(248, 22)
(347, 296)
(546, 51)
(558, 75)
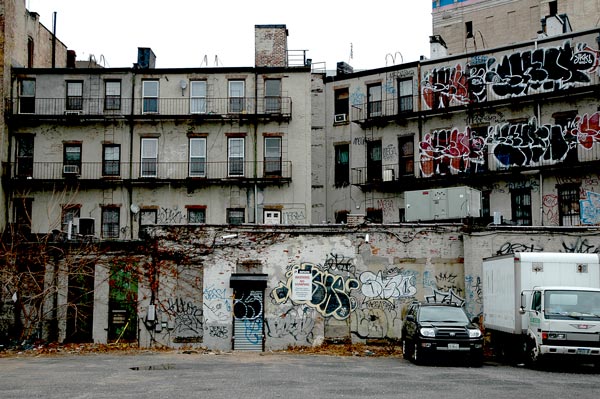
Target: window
(553, 8)
(198, 97)
(25, 155)
(273, 95)
(341, 217)
(70, 213)
(149, 157)
(342, 165)
(272, 156)
(110, 222)
(236, 96)
(568, 205)
(405, 95)
(272, 217)
(560, 142)
(148, 218)
(406, 156)
(469, 29)
(478, 151)
(72, 158)
(150, 96)
(111, 160)
(521, 207)
(342, 104)
(27, 96)
(112, 95)
(374, 100)
(374, 160)
(486, 211)
(30, 52)
(75, 96)
(196, 215)
(235, 215)
(236, 156)
(197, 157)
(374, 215)
(22, 208)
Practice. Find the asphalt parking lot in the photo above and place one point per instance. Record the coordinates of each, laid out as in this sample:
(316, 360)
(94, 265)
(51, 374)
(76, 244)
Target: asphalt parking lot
(278, 375)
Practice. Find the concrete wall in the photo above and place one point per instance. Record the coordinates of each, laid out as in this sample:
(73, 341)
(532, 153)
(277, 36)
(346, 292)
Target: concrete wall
(360, 289)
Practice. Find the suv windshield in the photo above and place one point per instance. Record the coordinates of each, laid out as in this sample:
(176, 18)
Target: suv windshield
(447, 314)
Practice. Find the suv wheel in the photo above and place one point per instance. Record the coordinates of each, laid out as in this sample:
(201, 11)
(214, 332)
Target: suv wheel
(416, 354)
(405, 353)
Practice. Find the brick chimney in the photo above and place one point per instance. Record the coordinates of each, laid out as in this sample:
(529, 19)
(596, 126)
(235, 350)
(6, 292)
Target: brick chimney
(270, 46)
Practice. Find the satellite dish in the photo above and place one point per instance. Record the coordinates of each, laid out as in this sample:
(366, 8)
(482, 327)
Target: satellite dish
(134, 209)
(183, 84)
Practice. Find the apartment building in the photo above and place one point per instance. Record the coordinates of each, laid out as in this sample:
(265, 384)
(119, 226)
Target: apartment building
(24, 42)
(104, 152)
(513, 129)
(475, 25)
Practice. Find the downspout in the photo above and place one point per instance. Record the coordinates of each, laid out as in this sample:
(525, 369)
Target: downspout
(131, 129)
(541, 199)
(255, 138)
(54, 40)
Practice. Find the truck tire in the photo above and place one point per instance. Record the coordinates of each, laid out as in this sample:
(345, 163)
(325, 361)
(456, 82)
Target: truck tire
(532, 356)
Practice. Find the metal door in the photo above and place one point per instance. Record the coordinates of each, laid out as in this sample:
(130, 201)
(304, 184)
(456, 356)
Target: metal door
(248, 320)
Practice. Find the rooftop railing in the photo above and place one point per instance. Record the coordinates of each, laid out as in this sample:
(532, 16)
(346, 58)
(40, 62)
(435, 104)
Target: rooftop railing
(120, 107)
(151, 170)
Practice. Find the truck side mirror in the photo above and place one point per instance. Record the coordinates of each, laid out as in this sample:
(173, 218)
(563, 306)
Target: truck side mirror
(522, 309)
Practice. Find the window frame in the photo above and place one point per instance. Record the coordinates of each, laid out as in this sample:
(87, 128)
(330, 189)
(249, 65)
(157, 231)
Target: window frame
(24, 155)
(239, 220)
(374, 100)
(111, 167)
(405, 100)
(235, 100)
(521, 211)
(198, 211)
(145, 215)
(568, 204)
(272, 161)
(341, 105)
(406, 158)
(68, 214)
(112, 101)
(68, 150)
(74, 95)
(235, 161)
(342, 166)
(27, 89)
(198, 101)
(272, 96)
(374, 165)
(199, 160)
(148, 162)
(111, 228)
(149, 98)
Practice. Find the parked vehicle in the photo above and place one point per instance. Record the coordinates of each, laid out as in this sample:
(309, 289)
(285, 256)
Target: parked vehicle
(542, 305)
(432, 330)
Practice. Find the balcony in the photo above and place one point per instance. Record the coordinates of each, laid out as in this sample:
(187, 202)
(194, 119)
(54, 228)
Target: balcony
(377, 112)
(202, 173)
(266, 108)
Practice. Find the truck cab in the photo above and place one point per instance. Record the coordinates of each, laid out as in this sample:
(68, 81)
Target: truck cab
(561, 321)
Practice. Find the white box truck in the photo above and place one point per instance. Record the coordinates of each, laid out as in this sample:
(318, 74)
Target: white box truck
(539, 304)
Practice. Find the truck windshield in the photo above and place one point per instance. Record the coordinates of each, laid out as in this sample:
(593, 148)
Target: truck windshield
(582, 305)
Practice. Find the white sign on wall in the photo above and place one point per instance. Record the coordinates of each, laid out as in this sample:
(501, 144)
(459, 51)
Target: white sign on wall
(302, 285)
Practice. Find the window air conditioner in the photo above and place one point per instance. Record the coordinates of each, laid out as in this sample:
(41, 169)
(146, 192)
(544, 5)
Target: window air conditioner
(72, 112)
(339, 118)
(70, 169)
(388, 175)
(85, 226)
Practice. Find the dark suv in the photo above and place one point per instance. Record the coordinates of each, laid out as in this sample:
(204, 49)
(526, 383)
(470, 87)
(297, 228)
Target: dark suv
(432, 329)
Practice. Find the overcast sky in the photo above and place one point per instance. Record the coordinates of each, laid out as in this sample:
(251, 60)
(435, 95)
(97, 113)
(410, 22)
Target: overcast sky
(183, 32)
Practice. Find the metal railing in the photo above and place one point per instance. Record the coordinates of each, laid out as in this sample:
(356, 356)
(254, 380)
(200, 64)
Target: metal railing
(392, 107)
(149, 170)
(119, 107)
